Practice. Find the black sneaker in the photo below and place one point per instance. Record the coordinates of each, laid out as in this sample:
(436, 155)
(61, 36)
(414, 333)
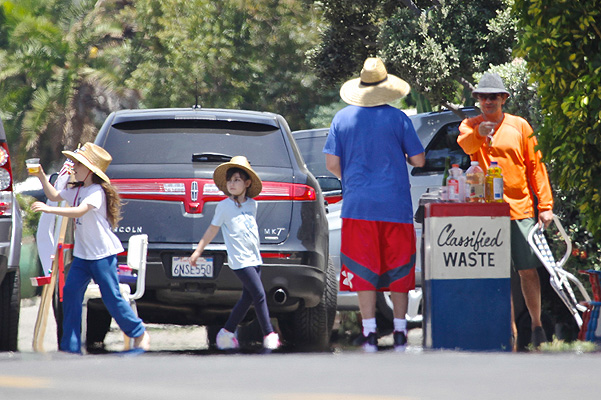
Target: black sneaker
(400, 341)
(96, 348)
(369, 343)
(538, 337)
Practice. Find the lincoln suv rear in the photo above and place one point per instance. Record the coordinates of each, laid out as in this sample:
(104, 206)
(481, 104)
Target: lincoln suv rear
(163, 162)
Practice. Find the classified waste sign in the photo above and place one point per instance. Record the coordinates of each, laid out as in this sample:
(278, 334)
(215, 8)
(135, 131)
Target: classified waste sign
(468, 246)
(467, 258)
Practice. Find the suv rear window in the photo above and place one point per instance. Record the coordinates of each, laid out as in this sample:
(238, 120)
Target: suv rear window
(311, 149)
(442, 146)
(176, 141)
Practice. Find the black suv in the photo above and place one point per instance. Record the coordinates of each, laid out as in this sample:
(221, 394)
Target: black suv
(10, 252)
(163, 163)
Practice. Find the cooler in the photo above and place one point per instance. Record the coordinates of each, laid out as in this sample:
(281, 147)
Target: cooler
(467, 288)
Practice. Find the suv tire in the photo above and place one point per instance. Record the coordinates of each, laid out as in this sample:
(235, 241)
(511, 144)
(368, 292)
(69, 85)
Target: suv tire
(10, 300)
(307, 326)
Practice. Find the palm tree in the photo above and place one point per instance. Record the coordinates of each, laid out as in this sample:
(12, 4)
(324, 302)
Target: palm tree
(60, 76)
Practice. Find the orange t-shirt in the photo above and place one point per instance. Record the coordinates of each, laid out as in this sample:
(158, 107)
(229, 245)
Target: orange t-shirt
(512, 147)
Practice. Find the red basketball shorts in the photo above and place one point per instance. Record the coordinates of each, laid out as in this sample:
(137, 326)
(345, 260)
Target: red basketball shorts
(377, 255)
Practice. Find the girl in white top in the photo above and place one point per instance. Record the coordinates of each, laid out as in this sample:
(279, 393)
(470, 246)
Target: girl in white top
(95, 205)
(236, 215)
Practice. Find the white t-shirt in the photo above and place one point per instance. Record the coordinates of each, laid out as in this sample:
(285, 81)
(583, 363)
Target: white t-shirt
(240, 232)
(94, 238)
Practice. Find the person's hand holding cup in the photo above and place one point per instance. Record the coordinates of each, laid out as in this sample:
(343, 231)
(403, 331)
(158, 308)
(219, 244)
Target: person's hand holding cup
(487, 128)
(33, 165)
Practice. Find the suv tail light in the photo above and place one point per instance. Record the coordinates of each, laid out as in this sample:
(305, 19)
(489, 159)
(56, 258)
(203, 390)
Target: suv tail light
(6, 180)
(195, 192)
(286, 191)
(333, 199)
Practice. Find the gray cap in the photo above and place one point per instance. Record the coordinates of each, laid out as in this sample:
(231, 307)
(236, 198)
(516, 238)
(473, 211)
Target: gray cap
(490, 83)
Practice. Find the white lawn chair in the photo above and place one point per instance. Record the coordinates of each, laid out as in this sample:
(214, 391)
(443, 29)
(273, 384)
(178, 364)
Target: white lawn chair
(558, 277)
(136, 260)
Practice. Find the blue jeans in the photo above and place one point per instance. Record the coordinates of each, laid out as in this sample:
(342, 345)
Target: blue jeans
(104, 273)
(252, 293)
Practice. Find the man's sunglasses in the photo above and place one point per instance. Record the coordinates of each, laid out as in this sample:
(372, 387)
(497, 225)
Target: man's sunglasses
(490, 96)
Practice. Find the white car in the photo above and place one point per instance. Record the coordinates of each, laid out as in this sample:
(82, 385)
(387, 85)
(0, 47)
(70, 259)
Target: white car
(438, 132)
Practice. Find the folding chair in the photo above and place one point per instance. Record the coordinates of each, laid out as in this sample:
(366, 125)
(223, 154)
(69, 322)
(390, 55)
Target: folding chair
(558, 277)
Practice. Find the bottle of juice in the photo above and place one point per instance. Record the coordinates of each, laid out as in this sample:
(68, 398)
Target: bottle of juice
(447, 166)
(493, 191)
(444, 193)
(456, 184)
(474, 183)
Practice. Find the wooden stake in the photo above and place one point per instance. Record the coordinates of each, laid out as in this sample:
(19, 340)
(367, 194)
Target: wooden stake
(39, 330)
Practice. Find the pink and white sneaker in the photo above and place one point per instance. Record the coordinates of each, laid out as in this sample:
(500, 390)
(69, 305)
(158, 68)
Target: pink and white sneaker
(226, 340)
(271, 341)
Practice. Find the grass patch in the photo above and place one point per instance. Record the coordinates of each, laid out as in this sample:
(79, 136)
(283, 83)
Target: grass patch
(560, 346)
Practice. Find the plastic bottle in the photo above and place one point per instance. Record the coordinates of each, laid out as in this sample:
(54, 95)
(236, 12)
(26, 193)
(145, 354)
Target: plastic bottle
(474, 183)
(462, 195)
(456, 184)
(447, 166)
(494, 184)
(444, 193)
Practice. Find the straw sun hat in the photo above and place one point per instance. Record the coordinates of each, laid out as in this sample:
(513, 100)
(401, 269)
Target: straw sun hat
(92, 156)
(219, 176)
(374, 87)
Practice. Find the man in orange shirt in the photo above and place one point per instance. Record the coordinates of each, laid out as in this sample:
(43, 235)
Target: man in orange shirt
(507, 139)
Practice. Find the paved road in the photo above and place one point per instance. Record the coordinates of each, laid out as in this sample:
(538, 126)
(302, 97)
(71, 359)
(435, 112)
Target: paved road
(164, 337)
(342, 373)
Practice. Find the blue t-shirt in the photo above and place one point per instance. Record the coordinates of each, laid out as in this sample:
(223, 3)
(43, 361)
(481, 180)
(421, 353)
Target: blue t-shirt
(372, 143)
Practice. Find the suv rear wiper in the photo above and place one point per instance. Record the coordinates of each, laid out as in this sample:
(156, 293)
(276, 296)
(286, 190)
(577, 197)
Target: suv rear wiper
(210, 157)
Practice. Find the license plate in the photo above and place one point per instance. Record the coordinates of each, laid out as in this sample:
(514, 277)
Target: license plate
(180, 267)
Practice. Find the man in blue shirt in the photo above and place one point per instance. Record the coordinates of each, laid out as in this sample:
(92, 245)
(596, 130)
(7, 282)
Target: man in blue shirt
(368, 147)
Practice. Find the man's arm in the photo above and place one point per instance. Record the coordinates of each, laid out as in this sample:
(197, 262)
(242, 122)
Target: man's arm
(537, 176)
(470, 138)
(333, 165)
(418, 160)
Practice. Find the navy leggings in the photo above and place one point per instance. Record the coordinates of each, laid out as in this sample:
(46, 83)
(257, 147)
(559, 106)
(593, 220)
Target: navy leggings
(252, 293)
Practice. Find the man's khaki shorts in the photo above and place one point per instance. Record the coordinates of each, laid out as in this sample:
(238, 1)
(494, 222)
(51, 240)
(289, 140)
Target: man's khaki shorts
(522, 254)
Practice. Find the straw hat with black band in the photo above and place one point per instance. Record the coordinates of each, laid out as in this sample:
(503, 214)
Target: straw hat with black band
(374, 87)
(92, 156)
(219, 176)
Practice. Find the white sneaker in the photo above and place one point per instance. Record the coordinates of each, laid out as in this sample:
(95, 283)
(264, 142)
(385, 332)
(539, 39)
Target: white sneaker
(271, 341)
(226, 340)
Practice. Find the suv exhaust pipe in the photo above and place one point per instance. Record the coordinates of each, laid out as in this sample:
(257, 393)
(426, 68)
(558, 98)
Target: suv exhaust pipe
(280, 296)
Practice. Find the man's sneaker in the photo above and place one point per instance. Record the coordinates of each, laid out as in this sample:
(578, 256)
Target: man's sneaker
(538, 337)
(271, 341)
(370, 343)
(226, 340)
(400, 341)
